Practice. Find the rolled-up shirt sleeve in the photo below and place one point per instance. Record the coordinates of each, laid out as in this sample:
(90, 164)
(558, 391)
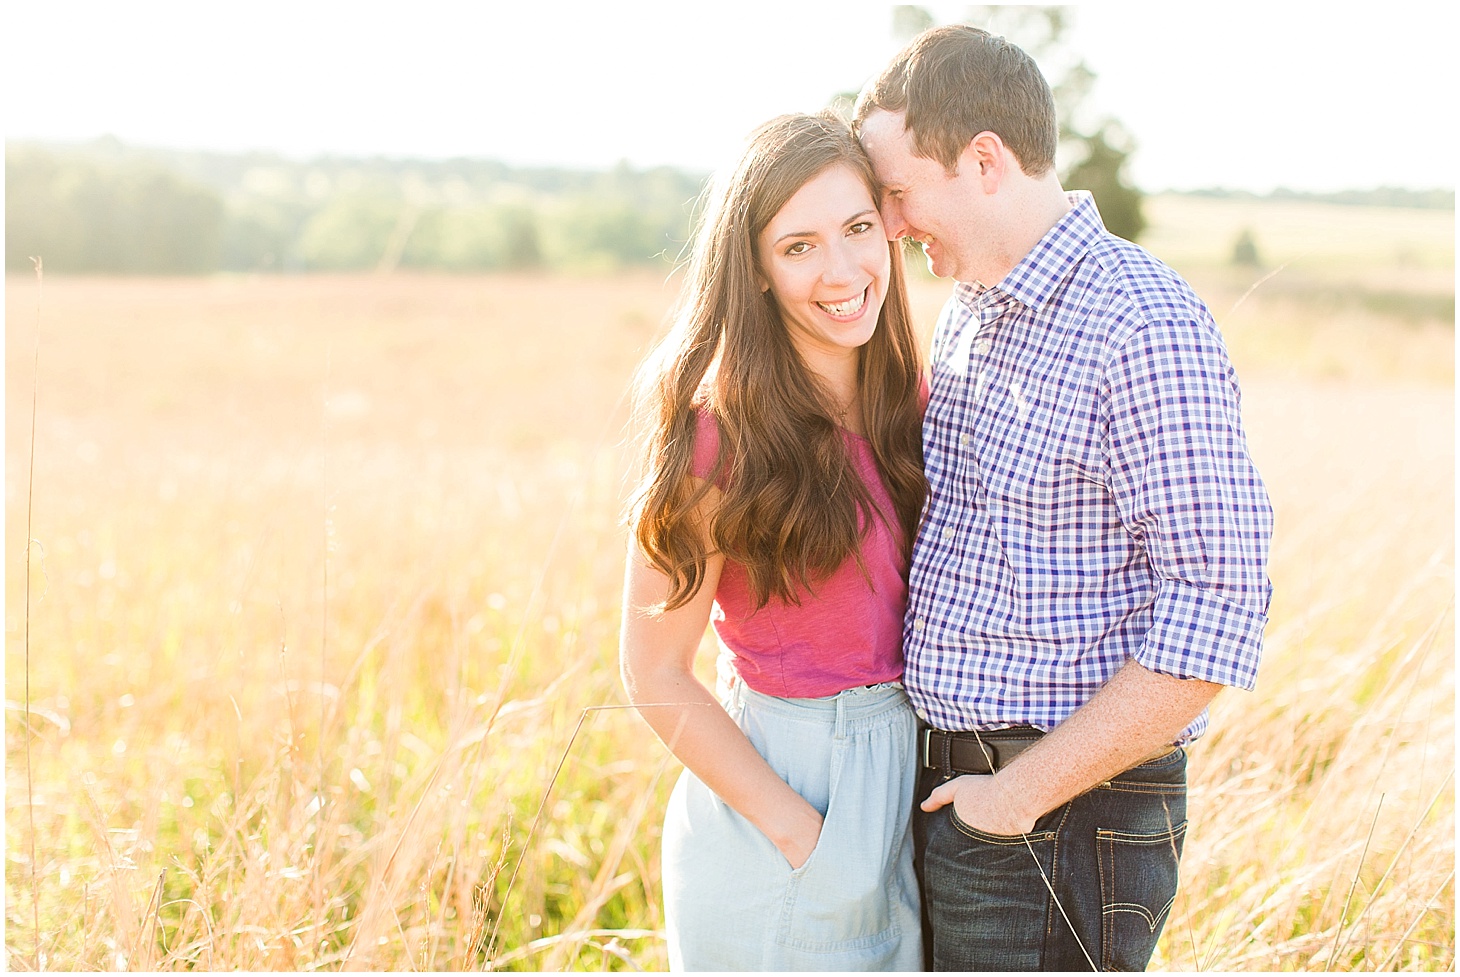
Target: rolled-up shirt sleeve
(1187, 490)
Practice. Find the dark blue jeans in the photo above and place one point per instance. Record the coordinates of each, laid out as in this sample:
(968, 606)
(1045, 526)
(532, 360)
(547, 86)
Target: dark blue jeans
(1110, 857)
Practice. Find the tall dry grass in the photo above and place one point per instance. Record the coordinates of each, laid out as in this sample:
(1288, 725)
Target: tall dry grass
(325, 583)
(330, 569)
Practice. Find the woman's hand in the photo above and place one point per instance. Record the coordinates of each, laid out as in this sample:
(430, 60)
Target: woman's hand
(801, 835)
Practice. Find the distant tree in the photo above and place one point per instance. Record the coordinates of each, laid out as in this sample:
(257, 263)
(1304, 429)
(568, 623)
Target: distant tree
(165, 224)
(597, 233)
(521, 244)
(84, 214)
(1244, 250)
(909, 20)
(475, 239)
(350, 233)
(38, 218)
(259, 234)
(1101, 172)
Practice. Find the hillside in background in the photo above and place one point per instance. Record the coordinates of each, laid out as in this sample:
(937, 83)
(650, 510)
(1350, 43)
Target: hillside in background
(105, 206)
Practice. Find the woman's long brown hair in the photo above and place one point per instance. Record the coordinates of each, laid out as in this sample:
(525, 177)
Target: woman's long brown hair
(793, 507)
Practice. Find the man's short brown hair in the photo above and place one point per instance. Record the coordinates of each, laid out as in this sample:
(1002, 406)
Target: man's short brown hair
(957, 81)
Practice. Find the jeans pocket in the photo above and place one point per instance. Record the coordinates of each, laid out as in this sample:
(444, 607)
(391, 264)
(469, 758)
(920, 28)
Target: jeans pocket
(989, 838)
(1138, 877)
(985, 895)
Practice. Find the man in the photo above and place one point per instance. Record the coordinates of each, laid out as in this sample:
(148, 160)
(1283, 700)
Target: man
(1091, 568)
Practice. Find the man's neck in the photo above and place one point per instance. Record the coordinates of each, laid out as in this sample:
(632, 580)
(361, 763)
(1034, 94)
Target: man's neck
(1033, 209)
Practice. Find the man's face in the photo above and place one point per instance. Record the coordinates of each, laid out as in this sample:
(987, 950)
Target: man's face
(921, 200)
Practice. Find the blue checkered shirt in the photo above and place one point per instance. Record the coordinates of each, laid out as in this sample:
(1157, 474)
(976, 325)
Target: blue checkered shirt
(1091, 496)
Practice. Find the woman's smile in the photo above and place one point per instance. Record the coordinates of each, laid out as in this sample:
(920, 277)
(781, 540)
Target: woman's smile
(848, 309)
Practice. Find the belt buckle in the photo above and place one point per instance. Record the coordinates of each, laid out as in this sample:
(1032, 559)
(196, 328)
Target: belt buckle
(927, 747)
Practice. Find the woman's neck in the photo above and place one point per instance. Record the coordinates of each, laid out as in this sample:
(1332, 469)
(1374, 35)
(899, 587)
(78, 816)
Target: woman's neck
(839, 380)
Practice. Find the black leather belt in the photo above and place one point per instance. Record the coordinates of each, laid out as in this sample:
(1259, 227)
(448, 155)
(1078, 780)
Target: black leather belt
(987, 751)
(975, 752)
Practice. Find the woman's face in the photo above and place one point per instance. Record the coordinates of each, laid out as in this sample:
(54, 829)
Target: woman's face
(824, 259)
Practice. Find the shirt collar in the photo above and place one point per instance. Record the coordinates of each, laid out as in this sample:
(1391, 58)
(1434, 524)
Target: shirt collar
(1035, 278)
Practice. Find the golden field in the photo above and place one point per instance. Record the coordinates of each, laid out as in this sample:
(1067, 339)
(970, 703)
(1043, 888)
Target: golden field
(321, 598)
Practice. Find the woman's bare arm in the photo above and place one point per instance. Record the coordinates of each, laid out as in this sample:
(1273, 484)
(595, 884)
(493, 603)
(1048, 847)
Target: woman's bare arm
(656, 659)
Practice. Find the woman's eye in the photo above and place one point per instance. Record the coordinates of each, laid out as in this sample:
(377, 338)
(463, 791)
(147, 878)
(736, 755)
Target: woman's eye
(861, 227)
(800, 247)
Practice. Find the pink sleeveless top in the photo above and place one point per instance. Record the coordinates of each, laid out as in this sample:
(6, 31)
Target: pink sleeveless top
(847, 633)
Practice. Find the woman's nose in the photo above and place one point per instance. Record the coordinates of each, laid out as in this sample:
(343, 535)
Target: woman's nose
(840, 265)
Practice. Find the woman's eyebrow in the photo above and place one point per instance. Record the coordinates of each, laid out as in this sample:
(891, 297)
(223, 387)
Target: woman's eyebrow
(791, 234)
(857, 216)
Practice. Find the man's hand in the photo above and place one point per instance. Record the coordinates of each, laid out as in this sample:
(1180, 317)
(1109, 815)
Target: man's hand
(982, 804)
(1131, 718)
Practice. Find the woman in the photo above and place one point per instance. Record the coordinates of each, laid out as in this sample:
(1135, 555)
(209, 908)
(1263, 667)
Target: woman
(783, 488)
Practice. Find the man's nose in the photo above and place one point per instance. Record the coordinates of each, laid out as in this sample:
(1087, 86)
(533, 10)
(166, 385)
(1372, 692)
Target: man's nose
(892, 220)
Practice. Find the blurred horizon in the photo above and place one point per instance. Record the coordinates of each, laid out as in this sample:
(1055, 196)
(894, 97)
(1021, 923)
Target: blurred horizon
(106, 206)
(1243, 98)
(108, 143)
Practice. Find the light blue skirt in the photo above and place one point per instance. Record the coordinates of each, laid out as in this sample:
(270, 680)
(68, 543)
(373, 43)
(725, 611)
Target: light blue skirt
(731, 900)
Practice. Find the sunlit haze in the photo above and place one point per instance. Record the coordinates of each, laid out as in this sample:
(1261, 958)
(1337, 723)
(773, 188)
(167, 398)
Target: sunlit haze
(1249, 97)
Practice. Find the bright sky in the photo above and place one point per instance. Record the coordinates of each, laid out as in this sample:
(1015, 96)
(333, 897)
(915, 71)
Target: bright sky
(1248, 96)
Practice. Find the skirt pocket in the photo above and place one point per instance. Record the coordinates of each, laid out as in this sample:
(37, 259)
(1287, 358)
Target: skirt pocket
(848, 896)
(732, 903)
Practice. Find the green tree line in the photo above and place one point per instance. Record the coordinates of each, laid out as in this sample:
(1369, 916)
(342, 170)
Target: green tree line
(104, 207)
(107, 207)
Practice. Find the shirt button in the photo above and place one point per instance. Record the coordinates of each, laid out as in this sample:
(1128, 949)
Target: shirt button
(965, 439)
(949, 532)
(918, 624)
(982, 347)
